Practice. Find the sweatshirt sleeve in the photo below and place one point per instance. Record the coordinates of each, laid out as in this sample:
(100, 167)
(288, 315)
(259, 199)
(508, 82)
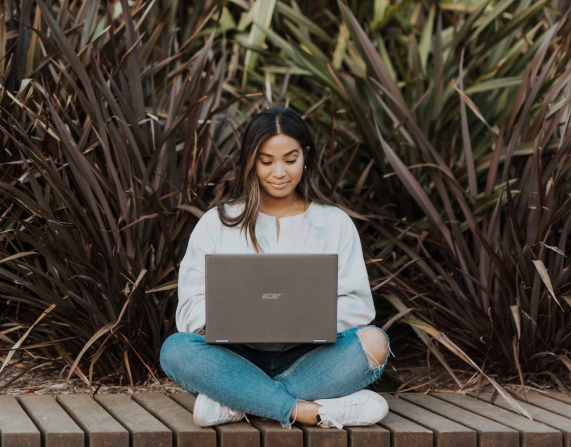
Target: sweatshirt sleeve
(355, 305)
(191, 312)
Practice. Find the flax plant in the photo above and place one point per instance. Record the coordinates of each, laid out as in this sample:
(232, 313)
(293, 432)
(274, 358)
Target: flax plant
(463, 115)
(443, 129)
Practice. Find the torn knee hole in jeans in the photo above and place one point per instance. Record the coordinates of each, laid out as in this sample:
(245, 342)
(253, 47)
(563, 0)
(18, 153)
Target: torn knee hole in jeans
(376, 366)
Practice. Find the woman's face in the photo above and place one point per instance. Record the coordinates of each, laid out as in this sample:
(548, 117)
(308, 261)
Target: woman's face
(279, 165)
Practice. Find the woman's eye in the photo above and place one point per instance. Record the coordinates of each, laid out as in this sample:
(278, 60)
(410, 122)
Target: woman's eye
(269, 162)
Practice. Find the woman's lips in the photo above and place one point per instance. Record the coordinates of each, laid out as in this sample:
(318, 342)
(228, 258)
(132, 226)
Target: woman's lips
(279, 185)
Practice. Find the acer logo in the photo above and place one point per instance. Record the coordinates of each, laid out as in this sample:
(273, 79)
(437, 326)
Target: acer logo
(271, 296)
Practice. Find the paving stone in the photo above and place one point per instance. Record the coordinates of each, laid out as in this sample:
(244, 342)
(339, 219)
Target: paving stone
(490, 433)
(178, 419)
(553, 420)
(16, 427)
(405, 433)
(532, 433)
(235, 434)
(447, 433)
(57, 428)
(144, 429)
(368, 436)
(547, 403)
(273, 434)
(101, 429)
(562, 397)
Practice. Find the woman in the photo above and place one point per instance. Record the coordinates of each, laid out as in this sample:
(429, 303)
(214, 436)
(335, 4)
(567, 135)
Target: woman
(275, 195)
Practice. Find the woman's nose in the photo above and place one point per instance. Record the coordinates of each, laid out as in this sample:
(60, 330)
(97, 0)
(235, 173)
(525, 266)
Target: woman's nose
(279, 172)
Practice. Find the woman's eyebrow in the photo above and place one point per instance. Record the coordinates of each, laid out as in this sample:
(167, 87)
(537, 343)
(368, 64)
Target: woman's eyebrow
(268, 155)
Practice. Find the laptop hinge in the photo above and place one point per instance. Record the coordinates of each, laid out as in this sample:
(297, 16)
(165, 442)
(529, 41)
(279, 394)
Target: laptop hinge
(221, 341)
(319, 341)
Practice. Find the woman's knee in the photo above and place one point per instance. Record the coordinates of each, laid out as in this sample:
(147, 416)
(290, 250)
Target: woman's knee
(175, 350)
(375, 345)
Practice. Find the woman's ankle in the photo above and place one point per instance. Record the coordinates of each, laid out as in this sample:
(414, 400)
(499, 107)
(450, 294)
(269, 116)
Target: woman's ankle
(306, 413)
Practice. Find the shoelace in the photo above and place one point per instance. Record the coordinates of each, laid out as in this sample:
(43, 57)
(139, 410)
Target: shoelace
(235, 412)
(342, 410)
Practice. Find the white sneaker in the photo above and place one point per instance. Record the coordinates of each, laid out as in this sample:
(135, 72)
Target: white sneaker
(365, 407)
(208, 412)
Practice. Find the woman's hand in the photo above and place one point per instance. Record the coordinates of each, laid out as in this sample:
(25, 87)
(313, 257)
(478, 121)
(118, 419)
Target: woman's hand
(202, 331)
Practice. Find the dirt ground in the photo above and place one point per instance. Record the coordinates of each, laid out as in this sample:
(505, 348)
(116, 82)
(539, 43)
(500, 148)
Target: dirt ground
(19, 380)
(35, 382)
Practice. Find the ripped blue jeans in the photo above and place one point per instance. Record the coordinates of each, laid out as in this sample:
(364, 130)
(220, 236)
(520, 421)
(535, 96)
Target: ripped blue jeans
(270, 383)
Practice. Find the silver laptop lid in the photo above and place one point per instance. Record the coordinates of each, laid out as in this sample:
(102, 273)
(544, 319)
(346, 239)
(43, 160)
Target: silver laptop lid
(271, 298)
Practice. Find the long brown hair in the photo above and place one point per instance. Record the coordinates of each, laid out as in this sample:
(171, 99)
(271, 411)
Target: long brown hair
(246, 187)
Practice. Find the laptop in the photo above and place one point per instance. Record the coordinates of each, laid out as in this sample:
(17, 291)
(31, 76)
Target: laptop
(271, 298)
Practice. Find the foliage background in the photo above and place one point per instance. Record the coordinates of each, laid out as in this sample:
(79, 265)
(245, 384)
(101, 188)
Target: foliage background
(442, 128)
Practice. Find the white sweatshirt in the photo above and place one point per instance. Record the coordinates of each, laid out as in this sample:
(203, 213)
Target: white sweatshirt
(321, 229)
